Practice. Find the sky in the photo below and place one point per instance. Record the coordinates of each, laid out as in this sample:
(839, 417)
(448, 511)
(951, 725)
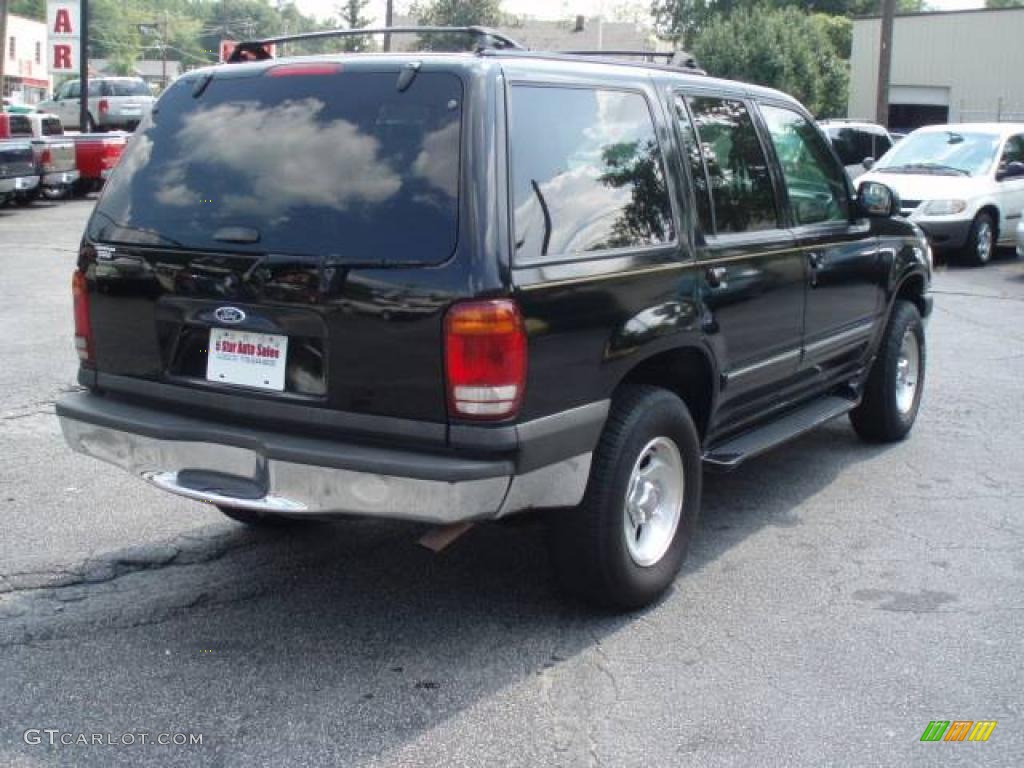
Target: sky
(562, 9)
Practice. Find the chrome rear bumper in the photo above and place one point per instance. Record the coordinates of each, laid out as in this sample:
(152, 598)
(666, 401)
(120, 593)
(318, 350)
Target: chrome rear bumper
(259, 471)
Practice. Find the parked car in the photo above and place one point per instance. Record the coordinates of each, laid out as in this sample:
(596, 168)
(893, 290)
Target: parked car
(858, 143)
(490, 282)
(962, 184)
(17, 169)
(1020, 238)
(114, 103)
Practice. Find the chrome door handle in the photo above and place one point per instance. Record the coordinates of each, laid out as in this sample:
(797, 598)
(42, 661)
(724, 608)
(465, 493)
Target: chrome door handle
(716, 277)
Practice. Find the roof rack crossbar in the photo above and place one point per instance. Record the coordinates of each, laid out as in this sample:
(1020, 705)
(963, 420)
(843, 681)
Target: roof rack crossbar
(484, 37)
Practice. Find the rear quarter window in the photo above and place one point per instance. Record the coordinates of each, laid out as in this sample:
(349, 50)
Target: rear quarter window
(587, 173)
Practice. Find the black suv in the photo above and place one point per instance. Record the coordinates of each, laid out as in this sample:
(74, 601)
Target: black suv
(448, 287)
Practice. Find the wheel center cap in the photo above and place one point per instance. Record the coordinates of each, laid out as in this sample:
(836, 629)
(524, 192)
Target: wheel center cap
(644, 503)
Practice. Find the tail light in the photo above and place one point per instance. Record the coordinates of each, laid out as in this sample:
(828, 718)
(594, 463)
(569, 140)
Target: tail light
(46, 159)
(83, 326)
(104, 106)
(485, 359)
(110, 154)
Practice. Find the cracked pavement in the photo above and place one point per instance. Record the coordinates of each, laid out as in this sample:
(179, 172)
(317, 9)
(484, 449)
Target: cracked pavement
(838, 598)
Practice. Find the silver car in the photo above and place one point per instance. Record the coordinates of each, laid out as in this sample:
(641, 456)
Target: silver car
(114, 103)
(1020, 238)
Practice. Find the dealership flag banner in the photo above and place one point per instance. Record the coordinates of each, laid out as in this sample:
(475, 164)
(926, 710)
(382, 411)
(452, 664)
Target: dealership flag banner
(63, 18)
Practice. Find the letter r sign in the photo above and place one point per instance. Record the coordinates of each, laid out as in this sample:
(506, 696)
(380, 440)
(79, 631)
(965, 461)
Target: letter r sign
(62, 20)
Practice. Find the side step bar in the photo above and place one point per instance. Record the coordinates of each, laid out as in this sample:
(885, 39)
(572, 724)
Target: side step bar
(736, 450)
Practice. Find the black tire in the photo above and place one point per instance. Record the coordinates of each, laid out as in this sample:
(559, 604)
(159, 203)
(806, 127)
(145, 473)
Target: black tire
(259, 519)
(977, 251)
(588, 544)
(878, 418)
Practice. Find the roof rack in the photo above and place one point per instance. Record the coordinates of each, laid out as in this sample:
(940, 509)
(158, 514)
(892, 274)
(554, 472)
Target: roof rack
(679, 59)
(484, 37)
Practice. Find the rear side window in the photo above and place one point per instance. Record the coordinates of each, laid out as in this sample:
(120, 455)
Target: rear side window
(340, 165)
(852, 145)
(587, 172)
(697, 174)
(741, 185)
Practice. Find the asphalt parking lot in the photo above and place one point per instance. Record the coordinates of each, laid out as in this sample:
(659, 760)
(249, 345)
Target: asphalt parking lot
(839, 597)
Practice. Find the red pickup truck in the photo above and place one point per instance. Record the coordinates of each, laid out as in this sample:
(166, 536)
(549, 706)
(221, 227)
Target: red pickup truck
(96, 155)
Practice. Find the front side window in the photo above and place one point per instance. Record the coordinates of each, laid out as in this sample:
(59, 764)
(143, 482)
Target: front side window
(587, 172)
(1013, 152)
(741, 186)
(815, 183)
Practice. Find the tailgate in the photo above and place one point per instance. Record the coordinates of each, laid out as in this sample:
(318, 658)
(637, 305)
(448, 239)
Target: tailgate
(16, 159)
(286, 239)
(58, 155)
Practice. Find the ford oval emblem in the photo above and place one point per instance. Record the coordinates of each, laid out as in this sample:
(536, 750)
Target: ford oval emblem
(230, 315)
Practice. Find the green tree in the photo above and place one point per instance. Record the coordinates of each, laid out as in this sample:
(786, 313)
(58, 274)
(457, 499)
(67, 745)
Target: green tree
(1004, 3)
(781, 48)
(454, 13)
(351, 17)
(30, 9)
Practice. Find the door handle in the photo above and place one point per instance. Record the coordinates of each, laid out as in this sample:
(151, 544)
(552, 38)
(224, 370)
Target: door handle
(716, 277)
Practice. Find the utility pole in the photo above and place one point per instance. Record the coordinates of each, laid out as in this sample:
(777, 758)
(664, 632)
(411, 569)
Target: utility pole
(389, 18)
(3, 43)
(163, 52)
(83, 65)
(885, 63)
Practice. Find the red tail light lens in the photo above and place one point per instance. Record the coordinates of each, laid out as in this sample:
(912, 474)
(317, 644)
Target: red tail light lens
(46, 159)
(485, 359)
(104, 105)
(83, 326)
(111, 153)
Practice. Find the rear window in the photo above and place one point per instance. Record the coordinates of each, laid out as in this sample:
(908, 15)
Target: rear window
(342, 165)
(52, 127)
(125, 88)
(20, 125)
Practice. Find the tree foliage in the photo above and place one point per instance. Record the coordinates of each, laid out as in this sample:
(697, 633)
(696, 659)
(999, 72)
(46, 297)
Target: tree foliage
(781, 48)
(350, 14)
(1004, 3)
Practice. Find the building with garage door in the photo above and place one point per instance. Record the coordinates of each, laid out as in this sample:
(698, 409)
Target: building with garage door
(955, 66)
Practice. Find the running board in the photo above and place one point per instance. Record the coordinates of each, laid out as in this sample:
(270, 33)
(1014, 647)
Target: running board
(736, 450)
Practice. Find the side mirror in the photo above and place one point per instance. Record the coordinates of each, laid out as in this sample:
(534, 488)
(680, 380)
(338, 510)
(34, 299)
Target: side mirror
(1014, 170)
(868, 163)
(876, 199)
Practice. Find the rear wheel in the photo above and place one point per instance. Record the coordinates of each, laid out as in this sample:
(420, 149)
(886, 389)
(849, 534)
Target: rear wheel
(623, 546)
(892, 395)
(981, 242)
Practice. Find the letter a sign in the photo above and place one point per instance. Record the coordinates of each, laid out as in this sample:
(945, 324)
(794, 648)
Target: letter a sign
(62, 19)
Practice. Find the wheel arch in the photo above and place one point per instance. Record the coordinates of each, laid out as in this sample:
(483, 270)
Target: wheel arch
(992, 210)
(689, 371)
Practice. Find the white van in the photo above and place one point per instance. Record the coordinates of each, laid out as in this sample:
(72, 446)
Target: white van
(962, 184)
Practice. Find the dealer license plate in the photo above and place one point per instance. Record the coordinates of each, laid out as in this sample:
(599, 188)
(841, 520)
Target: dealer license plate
(247, 359)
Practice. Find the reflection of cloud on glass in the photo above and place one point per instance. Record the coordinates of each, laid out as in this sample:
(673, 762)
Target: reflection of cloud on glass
(585, 209)
(329, 164)
(434, 162)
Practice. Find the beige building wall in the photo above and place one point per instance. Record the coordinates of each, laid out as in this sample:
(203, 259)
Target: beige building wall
(971, 61)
